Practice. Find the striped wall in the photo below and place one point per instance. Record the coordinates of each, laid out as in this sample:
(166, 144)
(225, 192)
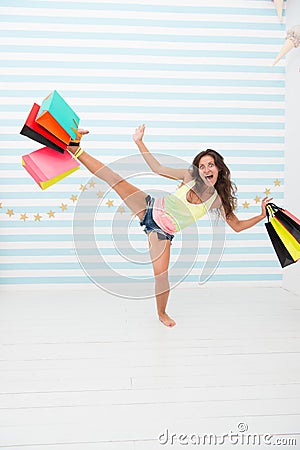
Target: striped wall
(198, 74)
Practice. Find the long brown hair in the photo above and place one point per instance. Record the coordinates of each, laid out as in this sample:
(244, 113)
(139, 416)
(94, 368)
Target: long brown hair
(224, 186)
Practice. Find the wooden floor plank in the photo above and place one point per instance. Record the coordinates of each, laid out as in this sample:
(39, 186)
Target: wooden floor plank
(71, 379)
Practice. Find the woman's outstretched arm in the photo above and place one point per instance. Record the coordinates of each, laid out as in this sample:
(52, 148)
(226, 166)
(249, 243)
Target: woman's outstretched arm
(153, 163)
(240, 225)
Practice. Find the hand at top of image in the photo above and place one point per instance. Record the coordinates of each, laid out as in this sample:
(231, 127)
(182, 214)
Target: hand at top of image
(139, 133)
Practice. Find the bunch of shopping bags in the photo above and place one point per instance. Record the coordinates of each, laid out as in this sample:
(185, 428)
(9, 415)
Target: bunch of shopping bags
(284, 231)
(53, 124)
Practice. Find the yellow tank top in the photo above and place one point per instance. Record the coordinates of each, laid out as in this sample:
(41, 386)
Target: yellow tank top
(174, 212)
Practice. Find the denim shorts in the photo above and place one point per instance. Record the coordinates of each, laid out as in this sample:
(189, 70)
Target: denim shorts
(149, 223)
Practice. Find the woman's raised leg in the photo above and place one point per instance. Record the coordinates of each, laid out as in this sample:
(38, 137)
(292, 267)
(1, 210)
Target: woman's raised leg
(134, 197)
(160, 257)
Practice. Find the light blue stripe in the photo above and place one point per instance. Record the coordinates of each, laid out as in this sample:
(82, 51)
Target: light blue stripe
(44, 280)
(136, 81)
(141, 182)
(169, 138)
(38, 194)
(174, 124)
(119, 66)
(32, 49)
(55, 223)
(106, 280)
(122, 224)
(122, 151)
(135, 237)
(256, 40)
(27, 180)
(258, 111)
(150, 8)
(127, 265)
(171, 23)
(181, 96)
(261, 250)
(241, 277)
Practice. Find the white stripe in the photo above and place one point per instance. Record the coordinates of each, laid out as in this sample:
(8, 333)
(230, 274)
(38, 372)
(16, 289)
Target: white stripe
(146, 272)
(93, 72)
(184, 157)
(177, 89)
(117, 258)
(243, 213)
(183, 285)
(230, 3)
(119, 29)
(142, 44)
(132, 15)
(164, 131)
(105, 230)
(34, 245)
(213, 118)
(138, 245)
(259, 187)
(147, 59)
(166, 148)
(185, 119)
(73, 188)
(170, 103)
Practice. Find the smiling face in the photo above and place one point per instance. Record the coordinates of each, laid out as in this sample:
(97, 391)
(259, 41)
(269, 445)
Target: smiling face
(208, 170)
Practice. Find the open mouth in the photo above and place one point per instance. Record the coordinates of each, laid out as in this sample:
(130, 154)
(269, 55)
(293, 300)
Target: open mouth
(209, 177)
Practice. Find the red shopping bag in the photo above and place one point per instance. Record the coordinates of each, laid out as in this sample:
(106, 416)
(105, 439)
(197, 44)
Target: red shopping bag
(39, 134)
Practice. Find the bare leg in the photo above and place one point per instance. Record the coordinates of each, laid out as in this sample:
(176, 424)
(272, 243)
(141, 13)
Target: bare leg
(134, 198)
(160, 257)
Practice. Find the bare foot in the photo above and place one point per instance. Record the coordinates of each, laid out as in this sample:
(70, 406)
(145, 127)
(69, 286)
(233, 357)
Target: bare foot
(166, 320)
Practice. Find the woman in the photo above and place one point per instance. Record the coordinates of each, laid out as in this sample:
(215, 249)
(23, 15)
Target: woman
(206, 185)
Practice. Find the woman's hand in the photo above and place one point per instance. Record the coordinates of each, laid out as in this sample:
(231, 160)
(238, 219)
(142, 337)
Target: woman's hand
(73, 148)
(139, 133)
(264, 203)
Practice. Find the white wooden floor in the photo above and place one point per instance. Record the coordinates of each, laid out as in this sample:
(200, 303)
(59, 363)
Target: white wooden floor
(83, 370)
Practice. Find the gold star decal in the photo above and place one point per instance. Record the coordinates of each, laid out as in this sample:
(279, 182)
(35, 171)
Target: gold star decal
(99, 194)
(73, 198)
(246, 205)
(63, 207)
(92, 184)
(82, 187)
(0, 204)
(23, 217)
(37, 217)
(121, 209)
(276, 182)
(51, 214)
(267, 191)
(10, 212)
(257, 199)
(110, 203)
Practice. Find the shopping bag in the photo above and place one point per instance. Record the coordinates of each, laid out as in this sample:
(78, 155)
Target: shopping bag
(58, 117)
(282, 237)
(288, 220)
(39, 134)
(290, 243)
(47, 166)
(291, 216)
(283, 255)
(289, 224)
